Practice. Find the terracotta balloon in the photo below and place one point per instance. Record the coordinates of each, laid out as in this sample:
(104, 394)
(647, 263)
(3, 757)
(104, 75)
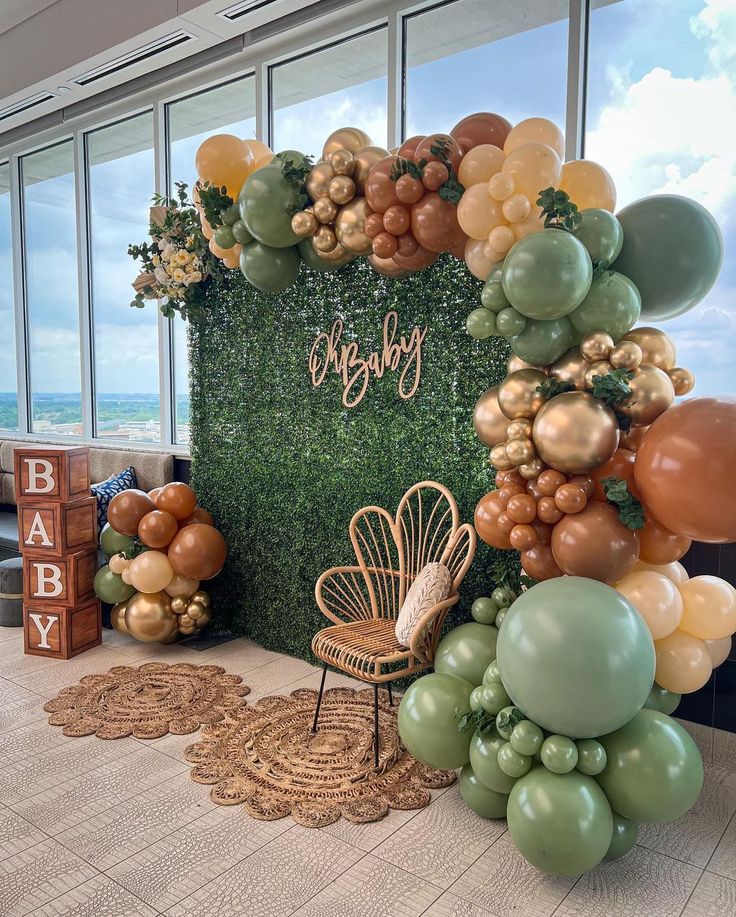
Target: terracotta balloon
(481, 127)
(181, 586)
(656, 598)
(489, 420)
(518, 396)
(453, 150)
(418, 260)
(198, 551)
(588, 184)
(652, 393)
(683, 663)
(387, 267)
(658, 348)
(709, 608)
(684, 469)
(351, 139)
(657, 545)
(539, 563)
(487, 511)
(409, 146)
(178, 499)
(224, 160)
(397, 220)
(150, 571)
(575, 432)
(633, 439)
(126, 510)
(480, 164)
(153, 494)
(148, 617)
(621, 466)
(594, 544)
(434, 223)
(156, 529)
(199, 515)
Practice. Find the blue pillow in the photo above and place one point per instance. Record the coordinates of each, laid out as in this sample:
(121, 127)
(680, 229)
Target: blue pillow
(106, 490)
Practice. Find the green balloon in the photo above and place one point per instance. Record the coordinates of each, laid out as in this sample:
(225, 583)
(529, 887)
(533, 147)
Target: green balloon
(547, 274)
(230, 215)
(654, 771)
(493, 698)
(467, 651)
(484, 610)
(493, 297)
(576, 657)
(113, 542)
(492, 676)
(110, 587)
(476, 699)
(483, 801)
(663, 700)
(506, 715)
(613, 305)
(224, 237)
(591, 757)
(511, 762)
(267, 202)
(625, 833)
(313, 260)
(601, 234)
(484, 749)
(428, 720)
(510, 322)
(240, 233)
(480, 324)
(542, 342)
(673, 251)
(295, 158)
(269, 270)
(559, 754)
(503, 596)
(500, 616)
(526, 738)
(561, 823)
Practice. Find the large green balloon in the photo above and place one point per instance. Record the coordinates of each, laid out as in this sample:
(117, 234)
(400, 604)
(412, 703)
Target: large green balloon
(547, 274)
(543, 342)
(110, 587)
(467, 651)
(613, 304)
(269, 270)
(317, 263)
(625, 833)
(484, 748)
(673, 251)
(295, 158)
(267, 202)
(484, 802)
(113, 542)
(561, 823)
(654, 771)
(601, 234)
(428, 720)
(576, 657)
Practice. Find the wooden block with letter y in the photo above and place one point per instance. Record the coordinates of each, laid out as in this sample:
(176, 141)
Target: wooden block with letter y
(59, 632)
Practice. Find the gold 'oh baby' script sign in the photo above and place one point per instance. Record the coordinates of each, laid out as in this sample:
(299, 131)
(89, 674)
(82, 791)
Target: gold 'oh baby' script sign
(328, 353)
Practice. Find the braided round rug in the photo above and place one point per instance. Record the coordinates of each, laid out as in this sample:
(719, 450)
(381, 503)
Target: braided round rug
(266, 758)
(147, 701)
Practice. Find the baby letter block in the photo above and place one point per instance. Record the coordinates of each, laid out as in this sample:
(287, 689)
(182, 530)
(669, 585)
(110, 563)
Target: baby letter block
(57, 474)
(64, 581)
(57, 529)
(60, 632)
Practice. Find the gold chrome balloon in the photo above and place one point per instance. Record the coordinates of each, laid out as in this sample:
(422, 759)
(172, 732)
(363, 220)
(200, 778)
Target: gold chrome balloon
(179, 604)
(194, 611)
(490, 422)
(520, 451)
(325, 209)
(117, 617)
(500, 459)
(626, 355)
(596, 346)
(518, 395)
(364, 159)
(515, 363)
(532, 470)
(599, 368)
(148, 617)
(351, 139)
(519, 429)
(652, 392)
(682, 379)
(350, 227)
(324, 240)
(318, 180)
(387, 267)
(201, 597)
(342, 189)
(575, 433)
(304, 224)
(343, 162)
(571, 367)
(338, 255)
(658, 348)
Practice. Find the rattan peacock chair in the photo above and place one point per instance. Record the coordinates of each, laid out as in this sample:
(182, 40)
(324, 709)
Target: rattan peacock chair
(364, 600)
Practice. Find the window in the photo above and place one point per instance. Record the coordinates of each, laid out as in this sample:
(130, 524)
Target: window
(661, 118)
(481, 55)
(125, 340)
(315, 94)
(8, 378)
(52, 304)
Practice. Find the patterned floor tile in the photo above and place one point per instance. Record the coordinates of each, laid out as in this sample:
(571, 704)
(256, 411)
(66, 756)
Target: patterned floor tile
(441, 842)
(18, 713)
(32, 739)
(16, 834)
(449, 905)
(714, 896)
(241, 654)
(11, 634)
(275, 880)
(30, 879)
(16, 662)
(100, 897)
(372, 888)
(171, 745)
(273, 677)
(724, 749)
(703, 737)
(723, 860)
(641, 884)
(50, 680)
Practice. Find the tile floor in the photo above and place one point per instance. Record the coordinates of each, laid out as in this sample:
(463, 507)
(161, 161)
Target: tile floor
(117, 829)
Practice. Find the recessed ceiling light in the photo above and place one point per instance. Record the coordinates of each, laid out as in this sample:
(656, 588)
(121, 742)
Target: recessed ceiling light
(63, 88)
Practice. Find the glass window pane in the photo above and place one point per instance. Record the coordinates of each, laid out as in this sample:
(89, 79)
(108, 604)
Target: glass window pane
(486, 55)
(50, 252)
(181, 382)
(661, 118)
(338, 86)
(125, 340)
(8, 379)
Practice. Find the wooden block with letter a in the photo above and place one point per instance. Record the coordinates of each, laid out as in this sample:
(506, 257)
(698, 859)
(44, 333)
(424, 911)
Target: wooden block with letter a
(58, 632)
(57, 529)
(67, 581)
(58, 474)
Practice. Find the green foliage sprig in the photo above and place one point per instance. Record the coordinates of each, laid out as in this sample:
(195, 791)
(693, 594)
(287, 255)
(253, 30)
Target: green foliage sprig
(630, 510)
(406, 167)
(295, 175)
(451, 190)
(479, 720)
(509, 720)
(614, 390)
(213, 200)
(558, 210)
(552, 387)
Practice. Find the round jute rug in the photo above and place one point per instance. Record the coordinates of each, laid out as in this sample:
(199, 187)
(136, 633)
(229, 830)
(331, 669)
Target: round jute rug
(266, 758)
(147, 701)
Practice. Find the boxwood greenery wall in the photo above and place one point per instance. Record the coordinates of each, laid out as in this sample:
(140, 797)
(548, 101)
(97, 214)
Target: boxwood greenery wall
(283, 465)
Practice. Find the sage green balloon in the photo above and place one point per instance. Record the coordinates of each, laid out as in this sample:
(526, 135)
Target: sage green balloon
(230, 215)
(526, 738)
(493, 297)
(500, 616)
(510, 322)
(492, 676)
(110, 587)
(484, 802)
(493, 698)
(428, 720)
(576, 657)
(484, 748)
(224, 237)
(625, 833)
(466, 651)
(561, 823)
(542, 342)
(547, 274)
(654, 771)
(601, 234)
(317, 263)
(267, 202)
(240, 232)
(613, 304)
(269, 270)
(484, 610)
(113, 542)
(295, 158)
(481, 323)
(559, 754)
(511, 762)
(476, 698)
(673, 251)
(591, 757)
(663, 700)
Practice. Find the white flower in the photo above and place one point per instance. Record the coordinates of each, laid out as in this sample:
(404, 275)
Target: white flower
(195, 277)
(162, 243)
(179, 275)
(168, 252)
(161, 275)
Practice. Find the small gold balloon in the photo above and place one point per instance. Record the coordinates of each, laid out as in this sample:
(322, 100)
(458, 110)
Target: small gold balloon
(571, 367)
(490, 423)
(682, 379)
(364, 159)
(626, 355)
(658, 348)
(325, 209)
(387, 267)
(515, 363)
(574, 432)
(596, 346)
(338, 255)
(304, 224)
(117, 617)
(652, 392)
(342, 189)
(599, 368)
(318, 180)
(518, 395)
(343, 162)
(194, 611)
(532, 470)
(203, 621)
(520, 451)
(499, 458)
(179, 604)
(519, 429)
(324, 240)
(148, 617)
(202, 598)
(351, 139)
(350, 227)
(187, 629)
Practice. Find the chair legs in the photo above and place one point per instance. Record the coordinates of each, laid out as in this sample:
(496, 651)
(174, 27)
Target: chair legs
(376, 737)
(319, 699)
(376, 732)
(390, 694)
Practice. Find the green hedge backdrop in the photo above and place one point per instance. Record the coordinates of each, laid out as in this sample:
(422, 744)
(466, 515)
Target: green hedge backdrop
(283, 465)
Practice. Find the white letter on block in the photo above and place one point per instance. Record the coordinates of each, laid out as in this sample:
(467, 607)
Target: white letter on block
(38, 528)
(39, 469)
(48, 575)
(44, 631)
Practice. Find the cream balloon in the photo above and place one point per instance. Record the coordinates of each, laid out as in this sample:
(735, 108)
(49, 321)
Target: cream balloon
(674, 571)
(530, 224)
(655, 598)
(683, 663)
(480, 164)
(181, 585)
(535, 130)
(534, 167)
(478, 213)
(709, 608)
(150, 571)
(588, 184)
(478, 262)
(718, 650)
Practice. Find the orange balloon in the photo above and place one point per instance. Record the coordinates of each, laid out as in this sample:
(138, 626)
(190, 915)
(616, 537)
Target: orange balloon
(588, 184)
(539, 563)
(534, 167)
(480, 164)
(156, 529)
(224, 160)
(684, 469)
(434, 224)
(709, 608)
(656, 598)
(487, 511)
(593, 543)
(657, 545)
(620, 465)
(481, 127)
(199, 515)
(260, 152)
(478, 213)
(718, 650)
(197, 551)
(126, 510)
(153, 494)
(683, 663)
(178, 499)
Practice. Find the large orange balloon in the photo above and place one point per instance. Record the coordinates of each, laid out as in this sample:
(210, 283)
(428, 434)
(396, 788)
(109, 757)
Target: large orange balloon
(178, 499)
(487, 512)
(453, 152)
(434, 223)
(156, 530)
(380, 190)
(481, 127)
(685, 469)
(593, 543)
(197, 551)
(621, 466)
(126, 510)
(224, 160)
(658, 545)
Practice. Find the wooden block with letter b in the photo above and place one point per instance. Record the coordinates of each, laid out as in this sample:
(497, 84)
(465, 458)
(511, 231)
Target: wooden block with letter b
(57, 529)
(58, 474)
(60, 633)
(67, 581)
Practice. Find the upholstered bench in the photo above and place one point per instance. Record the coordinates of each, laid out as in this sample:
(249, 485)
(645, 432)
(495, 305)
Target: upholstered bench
(11, 592)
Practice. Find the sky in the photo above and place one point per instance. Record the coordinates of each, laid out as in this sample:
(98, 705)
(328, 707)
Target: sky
(661, 117)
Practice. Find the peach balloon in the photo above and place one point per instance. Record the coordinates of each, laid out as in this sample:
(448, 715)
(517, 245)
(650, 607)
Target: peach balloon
(718, 650)
(674, 571)
(478, 262)
(535, 130)
(588, 184)
(262, 153)
(683, 663)
(478, 213)
(224, 160)
(532, 223)
(150, 571)
(709, 607)
(655, 598)
(480, 164)
(534, 167)
(181, 585)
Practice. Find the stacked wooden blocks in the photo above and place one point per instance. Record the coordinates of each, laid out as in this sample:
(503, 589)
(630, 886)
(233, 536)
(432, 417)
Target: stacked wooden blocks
(57, 525)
